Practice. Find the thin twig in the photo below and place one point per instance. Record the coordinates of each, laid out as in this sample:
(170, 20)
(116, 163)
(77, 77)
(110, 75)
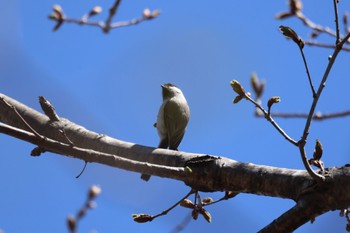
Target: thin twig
(322, 45)
(306, 163)
(302, 142)
(318, 116)
(84, 22)
(104, 27)
(227, 196)
(60, 18)
(322, 85)
(72, 221)
(346, 23)
(22, 119)
(314, 26)
(271, 120)
(82, 171)
(112, 12)
(335, 2)
(173, 206)
(307, 71)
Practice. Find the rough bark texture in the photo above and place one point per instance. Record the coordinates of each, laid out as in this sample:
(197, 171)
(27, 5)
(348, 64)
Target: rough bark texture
(202, 172)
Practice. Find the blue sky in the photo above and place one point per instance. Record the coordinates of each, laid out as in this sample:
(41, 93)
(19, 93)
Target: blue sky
(111, 84)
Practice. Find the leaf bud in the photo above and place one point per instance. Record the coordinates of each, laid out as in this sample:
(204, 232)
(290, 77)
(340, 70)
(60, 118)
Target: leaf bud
(237, 87)
(142, 218)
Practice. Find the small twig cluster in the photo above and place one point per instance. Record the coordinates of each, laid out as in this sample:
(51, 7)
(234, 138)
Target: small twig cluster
(295, 10)
(59, 17)
(197, 207)
(238, 88)
(72, 221)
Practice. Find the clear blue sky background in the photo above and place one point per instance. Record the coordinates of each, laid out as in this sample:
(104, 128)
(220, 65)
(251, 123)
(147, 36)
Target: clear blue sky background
(111, 84)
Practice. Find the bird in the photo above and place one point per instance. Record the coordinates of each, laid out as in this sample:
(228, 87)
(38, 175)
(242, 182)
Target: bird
(172, 119)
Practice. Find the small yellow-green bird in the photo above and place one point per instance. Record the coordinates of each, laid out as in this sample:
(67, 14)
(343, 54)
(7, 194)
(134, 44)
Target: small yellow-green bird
(172, 120)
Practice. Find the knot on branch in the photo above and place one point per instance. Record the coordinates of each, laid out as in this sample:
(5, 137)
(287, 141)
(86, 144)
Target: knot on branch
(204, 170)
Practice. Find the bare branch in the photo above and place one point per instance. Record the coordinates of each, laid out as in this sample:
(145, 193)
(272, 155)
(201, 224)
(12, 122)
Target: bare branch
(271, 120)
(72, 222)
(21, 118)
(304, 136)
(209, 174)
(337, 30)
(106, 26)
(206, 173)
(295, 10)
(292, 219)
(307, 72)
(316, 117)
(322, 45)
(322, 85)
(112, 12)
(306, 163)
(317, 28)
(165, 212)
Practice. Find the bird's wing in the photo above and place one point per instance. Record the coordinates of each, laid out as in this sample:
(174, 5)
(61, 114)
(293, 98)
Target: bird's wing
(174, 123)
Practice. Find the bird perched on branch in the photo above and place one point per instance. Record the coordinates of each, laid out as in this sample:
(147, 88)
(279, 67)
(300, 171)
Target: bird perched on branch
(173, 116)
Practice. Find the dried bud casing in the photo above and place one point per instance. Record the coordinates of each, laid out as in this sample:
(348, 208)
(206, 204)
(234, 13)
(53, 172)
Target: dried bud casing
(237, 99)
(195, 214)
(94, 191)
(205, 214)
(345, 18)
(283, 15)
(207, 200)
(290, 33)
(142, 218)
(273, 100)
(95, 11)
(58, 10)
(71, 223)
(155, 13)
(295, 6)
(237, 87)
(146, 13)
(258, 86)
(187, 203)
(318, 150)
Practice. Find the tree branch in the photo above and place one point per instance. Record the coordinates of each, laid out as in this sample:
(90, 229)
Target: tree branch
(59, 17)
(323, 45)
(292, 219)
(322, 85)
(316, 117)
(206, 173)
(268, 116)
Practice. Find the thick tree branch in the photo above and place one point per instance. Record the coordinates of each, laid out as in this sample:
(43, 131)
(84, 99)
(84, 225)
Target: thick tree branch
(209, 173)
(201, 172)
